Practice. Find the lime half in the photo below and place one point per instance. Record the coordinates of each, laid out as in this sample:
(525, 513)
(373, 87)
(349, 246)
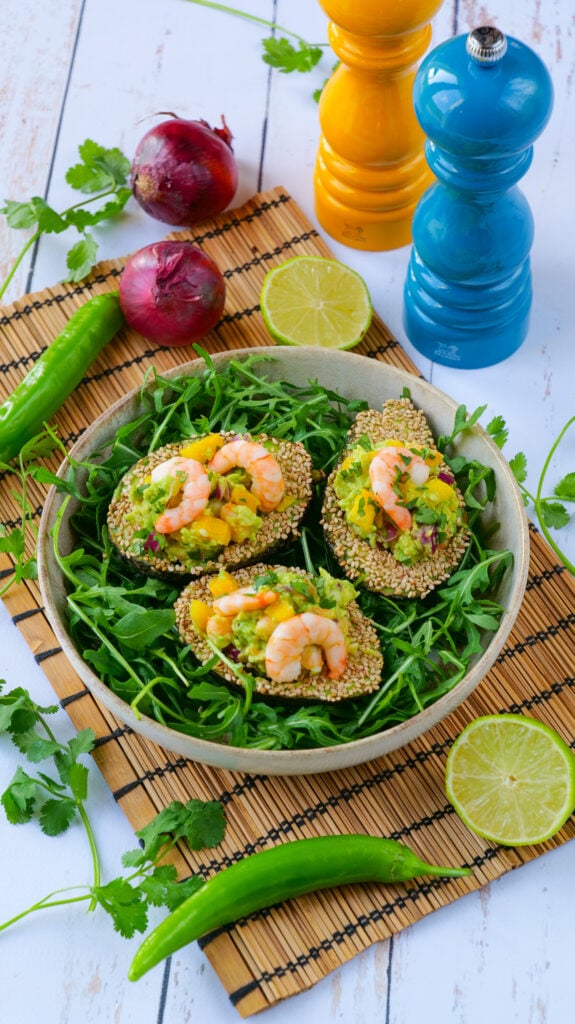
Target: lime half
(311, 300)
(511, 779)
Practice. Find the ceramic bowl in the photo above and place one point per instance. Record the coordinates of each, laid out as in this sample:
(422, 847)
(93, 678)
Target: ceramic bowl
(353, 376)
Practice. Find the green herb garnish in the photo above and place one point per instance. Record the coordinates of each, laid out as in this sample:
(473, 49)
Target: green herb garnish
(279, 53)
(102, 174)
(59, 799)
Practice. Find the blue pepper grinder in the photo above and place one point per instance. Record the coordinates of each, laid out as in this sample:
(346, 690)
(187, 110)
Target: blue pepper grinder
(482, 100)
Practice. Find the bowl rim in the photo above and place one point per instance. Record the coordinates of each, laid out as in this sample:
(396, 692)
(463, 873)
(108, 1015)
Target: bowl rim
(309, 760)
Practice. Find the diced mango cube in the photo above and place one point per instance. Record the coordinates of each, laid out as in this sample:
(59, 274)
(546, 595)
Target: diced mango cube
(438, 491)
(362, 512)
(204, 448)
(200, 612)
(240, 495)
(280, 610)
(222, 584)
(212, 528)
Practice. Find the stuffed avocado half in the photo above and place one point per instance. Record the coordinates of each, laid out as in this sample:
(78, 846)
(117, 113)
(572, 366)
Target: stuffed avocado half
(299, 636)
(392, 512)
(210, 501)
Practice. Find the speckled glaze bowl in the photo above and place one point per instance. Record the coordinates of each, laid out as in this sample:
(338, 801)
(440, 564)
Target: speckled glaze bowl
(353, 376)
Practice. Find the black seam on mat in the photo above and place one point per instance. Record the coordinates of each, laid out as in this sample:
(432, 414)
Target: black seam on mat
(248, 783)
(538, 579)
(20, 616)
(5, 573)
(532, 639)
(338, 937)
(73, 697)
(15, 524)
(122, 730)
(44, 655)
(87, 286)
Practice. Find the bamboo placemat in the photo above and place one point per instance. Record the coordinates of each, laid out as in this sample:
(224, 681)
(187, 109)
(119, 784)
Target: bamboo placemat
(287, 949)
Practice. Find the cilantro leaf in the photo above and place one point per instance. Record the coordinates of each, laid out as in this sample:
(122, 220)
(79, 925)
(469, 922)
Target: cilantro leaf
(565, 489)
(19, 799)
(518, 466)
(100, 168)
(56, 815)
(200, 823)
(125, 905)
(81, 258)
(497, 429)
(283, 55)
(82, 218)
(554, 514)
(176, 894)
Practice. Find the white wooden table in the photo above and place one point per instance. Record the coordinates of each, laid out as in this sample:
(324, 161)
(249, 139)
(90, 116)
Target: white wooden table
(101, 69)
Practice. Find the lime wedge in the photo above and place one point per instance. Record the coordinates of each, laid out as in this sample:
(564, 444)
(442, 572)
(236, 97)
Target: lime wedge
(311, 300)
(511, 779)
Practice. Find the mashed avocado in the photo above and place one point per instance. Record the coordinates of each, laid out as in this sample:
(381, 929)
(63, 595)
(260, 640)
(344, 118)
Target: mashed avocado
(434, 505)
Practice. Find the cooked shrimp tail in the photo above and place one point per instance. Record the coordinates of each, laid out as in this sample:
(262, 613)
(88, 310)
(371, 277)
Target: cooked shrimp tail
(386, 468)
(290, 639)
(267, 477)
(192, 498)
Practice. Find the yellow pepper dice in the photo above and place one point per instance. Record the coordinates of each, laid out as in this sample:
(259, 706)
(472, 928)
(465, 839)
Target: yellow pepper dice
(437, 490)
(204, 448)
(433, 458)
(200, 612)
(241, 496)
(212, 528)
(363, 510)
(222, 584)
(280, 610)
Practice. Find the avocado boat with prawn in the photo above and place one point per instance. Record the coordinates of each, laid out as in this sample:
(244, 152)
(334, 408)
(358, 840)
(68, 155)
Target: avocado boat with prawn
(392, 513)
(299, 636)
(214, 500)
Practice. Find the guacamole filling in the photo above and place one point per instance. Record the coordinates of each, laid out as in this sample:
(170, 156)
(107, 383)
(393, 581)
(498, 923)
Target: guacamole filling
(434, 506)
(244, 636)
(232, 514)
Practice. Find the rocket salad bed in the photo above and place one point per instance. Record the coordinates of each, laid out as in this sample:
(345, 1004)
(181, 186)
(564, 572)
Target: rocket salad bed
(124, 622)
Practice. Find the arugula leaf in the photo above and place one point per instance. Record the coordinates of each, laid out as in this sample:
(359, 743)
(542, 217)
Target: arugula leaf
(283, 55)
(142, 627)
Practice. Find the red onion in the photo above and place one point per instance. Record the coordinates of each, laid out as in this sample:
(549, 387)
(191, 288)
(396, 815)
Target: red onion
(172, 293)
(447, 478)
(184, 171)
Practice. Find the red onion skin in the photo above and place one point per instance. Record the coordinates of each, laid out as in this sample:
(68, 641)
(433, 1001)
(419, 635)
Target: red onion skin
(172, 293)
(184, 171)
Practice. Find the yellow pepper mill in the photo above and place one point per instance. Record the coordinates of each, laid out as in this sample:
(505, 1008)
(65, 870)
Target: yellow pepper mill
(370, 169)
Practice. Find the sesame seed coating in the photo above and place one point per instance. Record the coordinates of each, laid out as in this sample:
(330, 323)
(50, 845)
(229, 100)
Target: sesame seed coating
(375, 568)
(278, 527)
(364, 667)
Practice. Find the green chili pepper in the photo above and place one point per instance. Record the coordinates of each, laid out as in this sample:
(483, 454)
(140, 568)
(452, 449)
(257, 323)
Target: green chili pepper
(57, 372)
(274, 875)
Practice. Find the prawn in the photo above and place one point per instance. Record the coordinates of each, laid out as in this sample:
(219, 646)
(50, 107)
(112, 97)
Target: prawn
(246, 599)
(286, 648)
(388, 465)
(193, 496)
(267, 478)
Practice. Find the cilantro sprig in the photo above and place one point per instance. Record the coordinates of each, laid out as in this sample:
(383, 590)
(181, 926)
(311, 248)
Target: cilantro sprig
(279, 52)
(102, 175)
(549, 509)
(59, 798)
